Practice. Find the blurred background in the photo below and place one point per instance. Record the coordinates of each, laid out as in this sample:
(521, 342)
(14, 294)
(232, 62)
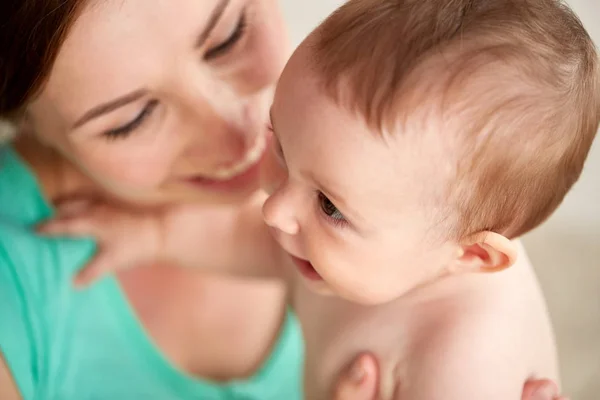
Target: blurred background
(565, 250)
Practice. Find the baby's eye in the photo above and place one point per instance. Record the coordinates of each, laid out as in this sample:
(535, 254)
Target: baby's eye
(329, 208)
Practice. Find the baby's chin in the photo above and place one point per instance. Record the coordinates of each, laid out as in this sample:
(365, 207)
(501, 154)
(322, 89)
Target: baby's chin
(355, 295)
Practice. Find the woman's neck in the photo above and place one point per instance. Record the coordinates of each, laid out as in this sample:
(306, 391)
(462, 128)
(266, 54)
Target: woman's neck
(59, 179)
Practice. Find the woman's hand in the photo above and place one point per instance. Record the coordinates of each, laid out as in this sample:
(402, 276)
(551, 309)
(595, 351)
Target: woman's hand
(224, 240)
(125, 238)
(360, 382)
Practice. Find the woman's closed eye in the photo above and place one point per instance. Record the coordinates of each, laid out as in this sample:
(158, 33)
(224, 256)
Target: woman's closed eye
(125, 130)
(330, 210)
(225, 46)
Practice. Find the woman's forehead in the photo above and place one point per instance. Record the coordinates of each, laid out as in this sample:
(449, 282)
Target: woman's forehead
(118, 46)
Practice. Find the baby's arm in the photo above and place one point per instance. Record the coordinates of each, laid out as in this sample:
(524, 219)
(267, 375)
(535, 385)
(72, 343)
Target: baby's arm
(225, 240)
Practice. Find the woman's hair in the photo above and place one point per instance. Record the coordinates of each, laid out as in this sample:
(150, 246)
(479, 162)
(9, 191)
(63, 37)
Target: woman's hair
(31, 34)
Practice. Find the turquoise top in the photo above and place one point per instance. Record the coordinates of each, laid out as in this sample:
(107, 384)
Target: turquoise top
(63, 344)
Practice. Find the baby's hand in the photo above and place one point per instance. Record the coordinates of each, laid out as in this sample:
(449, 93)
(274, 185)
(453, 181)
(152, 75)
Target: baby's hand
(125, 238)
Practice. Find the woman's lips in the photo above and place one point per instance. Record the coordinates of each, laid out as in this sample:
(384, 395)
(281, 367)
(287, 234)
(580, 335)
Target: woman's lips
(306, 269)
(248, 176)
(243, 173)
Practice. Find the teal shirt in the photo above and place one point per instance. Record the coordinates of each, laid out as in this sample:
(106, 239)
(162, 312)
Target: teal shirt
(63, 344)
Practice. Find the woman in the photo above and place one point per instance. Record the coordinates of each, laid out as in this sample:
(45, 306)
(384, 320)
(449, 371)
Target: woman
(148, 105)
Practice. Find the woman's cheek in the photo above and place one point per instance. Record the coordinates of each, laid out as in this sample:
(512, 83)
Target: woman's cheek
(135, 169)
(266, 51)
(273, 173)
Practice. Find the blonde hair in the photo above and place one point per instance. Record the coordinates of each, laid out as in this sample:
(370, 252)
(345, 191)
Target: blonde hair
(516, 80)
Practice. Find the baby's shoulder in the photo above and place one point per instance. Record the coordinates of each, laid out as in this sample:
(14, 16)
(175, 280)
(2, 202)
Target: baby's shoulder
(473, 344)
(460, 354)
(453, 319)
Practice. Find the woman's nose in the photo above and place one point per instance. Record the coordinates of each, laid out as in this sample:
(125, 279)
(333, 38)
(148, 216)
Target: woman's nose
(219, 125)
(279, 211)
(215, 138)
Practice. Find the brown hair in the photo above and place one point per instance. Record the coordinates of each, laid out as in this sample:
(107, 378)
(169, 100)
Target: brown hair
(31, 33)
(516, 80)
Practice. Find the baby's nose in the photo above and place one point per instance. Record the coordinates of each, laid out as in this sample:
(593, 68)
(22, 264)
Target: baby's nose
(279, 213)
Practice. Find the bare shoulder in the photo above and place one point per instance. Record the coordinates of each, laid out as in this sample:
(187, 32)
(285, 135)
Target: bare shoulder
(463, 356)
(479, 340)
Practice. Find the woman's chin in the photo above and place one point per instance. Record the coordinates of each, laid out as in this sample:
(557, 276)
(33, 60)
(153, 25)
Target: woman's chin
(217, 197)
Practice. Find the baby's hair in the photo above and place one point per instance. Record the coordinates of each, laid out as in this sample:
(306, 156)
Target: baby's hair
(514, 83)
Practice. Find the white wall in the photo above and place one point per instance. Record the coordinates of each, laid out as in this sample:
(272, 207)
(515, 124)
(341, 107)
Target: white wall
(565, 250)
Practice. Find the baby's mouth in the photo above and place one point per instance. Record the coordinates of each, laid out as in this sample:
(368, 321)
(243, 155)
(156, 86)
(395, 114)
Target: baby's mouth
(306, 269)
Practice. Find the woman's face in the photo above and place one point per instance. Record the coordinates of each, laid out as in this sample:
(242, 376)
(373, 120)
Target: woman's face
(162, 101)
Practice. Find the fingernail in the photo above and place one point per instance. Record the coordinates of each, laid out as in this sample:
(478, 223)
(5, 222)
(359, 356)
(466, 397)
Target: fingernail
(357, 373)
(543, 393)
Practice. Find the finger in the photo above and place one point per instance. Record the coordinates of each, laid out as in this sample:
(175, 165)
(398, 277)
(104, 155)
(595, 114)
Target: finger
(359, 382)
(72, 208)
(100, 266)
(541, 389)
(70, 227)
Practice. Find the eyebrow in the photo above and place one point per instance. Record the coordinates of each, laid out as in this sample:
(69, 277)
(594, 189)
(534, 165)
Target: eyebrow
(212, 22)
(110, 106)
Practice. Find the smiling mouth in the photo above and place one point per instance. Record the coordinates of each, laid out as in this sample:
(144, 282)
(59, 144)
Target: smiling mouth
(252, 157)
(306, 269)
(243, 172)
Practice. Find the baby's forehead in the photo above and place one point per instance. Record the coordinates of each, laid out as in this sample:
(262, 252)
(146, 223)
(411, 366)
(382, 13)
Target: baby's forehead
(388, 176)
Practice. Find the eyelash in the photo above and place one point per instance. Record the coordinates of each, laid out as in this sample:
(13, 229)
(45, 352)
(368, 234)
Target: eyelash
(337, 222)
(230, 41)
(124, 131)
(215, 52)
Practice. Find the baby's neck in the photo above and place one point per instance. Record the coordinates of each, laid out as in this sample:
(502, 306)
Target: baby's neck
(59, 179)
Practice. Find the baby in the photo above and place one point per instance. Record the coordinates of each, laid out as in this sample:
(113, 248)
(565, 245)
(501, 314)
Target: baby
(414, 140)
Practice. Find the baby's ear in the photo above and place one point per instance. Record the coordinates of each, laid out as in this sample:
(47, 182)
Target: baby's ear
(485, 252)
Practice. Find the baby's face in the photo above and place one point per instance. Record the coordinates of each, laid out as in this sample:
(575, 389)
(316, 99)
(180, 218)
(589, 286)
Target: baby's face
(351, 207)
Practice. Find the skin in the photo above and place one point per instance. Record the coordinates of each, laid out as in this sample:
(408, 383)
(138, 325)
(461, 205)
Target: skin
(353, 213)
(148, 55)
(204, 106)
(351, 201)
(315, 325)
(198, 109)
(205, 112)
